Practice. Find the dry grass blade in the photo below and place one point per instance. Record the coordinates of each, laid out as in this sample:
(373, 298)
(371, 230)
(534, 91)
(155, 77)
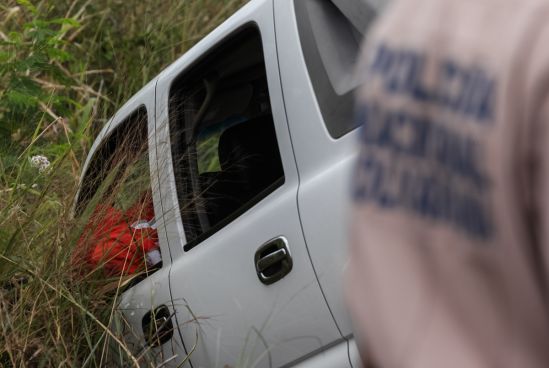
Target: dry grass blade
(70, 299)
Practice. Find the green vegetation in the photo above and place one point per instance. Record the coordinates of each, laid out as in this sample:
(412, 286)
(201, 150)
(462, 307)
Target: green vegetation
(65, 67)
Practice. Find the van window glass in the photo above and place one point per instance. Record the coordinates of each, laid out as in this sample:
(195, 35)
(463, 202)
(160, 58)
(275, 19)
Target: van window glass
(116, 201)
(121, 155)
(330, 33)
(226, 155)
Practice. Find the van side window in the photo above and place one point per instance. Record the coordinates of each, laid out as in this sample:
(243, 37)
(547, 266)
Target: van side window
(226, 155)
(330, 33)
(116, 200)
(121, 162)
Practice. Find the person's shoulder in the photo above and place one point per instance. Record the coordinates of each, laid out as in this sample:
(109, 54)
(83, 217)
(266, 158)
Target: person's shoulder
(459, 15)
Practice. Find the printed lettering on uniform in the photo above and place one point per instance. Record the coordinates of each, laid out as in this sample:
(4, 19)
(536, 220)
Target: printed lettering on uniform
(418, 162)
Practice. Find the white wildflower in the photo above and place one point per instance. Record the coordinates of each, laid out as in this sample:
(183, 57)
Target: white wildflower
(34, 186)
(40, 162)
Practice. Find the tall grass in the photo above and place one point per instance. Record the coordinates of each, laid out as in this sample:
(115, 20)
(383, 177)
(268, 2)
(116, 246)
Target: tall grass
(65, 67)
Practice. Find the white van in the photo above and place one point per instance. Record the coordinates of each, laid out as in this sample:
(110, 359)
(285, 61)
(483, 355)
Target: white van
(250, 143)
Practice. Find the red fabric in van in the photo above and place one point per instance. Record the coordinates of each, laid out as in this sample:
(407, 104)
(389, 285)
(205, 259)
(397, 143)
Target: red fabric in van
(114, 244)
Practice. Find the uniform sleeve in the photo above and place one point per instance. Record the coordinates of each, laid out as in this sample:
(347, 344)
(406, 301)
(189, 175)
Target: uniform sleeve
(541, 194)
(537, 116)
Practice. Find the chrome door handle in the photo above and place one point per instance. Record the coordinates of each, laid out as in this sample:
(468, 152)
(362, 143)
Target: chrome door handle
(273, 260)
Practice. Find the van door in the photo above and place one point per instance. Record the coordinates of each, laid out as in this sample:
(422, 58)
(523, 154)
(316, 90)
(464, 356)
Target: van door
(117, 179)
(243, 287)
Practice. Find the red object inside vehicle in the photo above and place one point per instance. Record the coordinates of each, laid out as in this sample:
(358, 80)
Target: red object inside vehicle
(110, 241)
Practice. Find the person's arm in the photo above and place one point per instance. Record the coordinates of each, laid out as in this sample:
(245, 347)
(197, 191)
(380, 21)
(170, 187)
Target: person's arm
(536, 163)
(540, 205)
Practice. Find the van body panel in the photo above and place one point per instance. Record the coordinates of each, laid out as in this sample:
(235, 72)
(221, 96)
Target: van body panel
(223, 309)
(324, 166)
